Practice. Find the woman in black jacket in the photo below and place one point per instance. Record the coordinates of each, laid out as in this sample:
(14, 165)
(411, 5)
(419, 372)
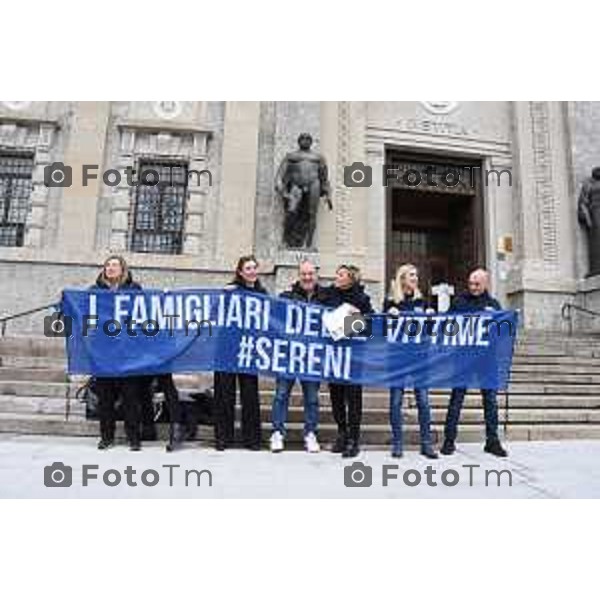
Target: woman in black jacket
(346, 399)
(116, 277)
(406, 297)
(245, 279)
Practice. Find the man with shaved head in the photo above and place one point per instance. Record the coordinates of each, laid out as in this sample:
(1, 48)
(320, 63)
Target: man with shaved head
(306, 289)
(477, 299)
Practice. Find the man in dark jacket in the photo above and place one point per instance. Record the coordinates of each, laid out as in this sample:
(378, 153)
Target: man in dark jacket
(477, 299)
(306, 289)
(346, 399)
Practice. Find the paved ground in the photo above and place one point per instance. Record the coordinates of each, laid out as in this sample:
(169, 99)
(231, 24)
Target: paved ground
(565, 469)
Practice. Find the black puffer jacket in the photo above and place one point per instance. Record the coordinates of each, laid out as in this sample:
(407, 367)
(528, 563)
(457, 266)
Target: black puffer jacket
(409, 304)
(237, 283)
(354, 295)
(128, 284)
(467, 302)
(297, 292)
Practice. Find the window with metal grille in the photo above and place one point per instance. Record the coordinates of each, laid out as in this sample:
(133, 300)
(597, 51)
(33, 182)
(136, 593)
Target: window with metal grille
(159, 210)
(15, 193)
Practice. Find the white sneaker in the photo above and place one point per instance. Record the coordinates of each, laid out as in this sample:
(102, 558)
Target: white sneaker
(276, 441)
(311, 444)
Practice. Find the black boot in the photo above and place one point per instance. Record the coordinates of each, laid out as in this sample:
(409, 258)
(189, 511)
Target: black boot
(352, 448)
(429, 452)
(340, 443)
(105, 444)
(494, 447)
(448, 447)
(107, 434)
(149, 433)
(176, 437)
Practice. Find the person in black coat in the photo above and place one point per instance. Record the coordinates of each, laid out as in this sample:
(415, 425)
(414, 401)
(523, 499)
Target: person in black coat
(477, 299)
(245, 279)
(346, 399)
(116, 276)
(406, 297)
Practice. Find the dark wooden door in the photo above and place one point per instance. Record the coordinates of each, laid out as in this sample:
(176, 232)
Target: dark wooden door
(436, 233)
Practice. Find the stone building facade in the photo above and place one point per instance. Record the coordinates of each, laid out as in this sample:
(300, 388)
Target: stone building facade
(524, 230)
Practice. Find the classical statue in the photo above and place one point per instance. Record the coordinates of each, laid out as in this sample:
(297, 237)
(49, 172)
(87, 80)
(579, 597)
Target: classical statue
(301, 182)
(588, 213)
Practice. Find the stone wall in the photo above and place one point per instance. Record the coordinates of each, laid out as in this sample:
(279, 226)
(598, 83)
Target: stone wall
(550, 146)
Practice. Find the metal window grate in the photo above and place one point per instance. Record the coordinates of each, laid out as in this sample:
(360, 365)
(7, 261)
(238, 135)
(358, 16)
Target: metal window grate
(159, 210)
(15, 193)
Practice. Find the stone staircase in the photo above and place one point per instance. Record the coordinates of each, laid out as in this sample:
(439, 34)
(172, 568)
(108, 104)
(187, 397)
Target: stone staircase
(554, 394)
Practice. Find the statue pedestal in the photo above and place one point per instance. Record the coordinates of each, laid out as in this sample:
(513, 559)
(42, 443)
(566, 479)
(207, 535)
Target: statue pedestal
(588, 296)
(286, 263)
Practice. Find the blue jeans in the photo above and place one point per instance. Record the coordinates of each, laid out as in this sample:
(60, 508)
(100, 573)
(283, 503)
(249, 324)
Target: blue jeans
(490, 411)
(397, 419)
(310, 391)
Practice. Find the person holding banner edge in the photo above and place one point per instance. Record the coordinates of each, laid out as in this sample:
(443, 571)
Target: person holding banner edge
(116, 276)
(306, 289)
(476, 299)
(407, 297)
(245, 279)
(346, 399)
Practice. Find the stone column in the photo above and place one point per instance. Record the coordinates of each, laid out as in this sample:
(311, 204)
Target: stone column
(85, 145)
(235, 221)
(345, 233)
(543, 277)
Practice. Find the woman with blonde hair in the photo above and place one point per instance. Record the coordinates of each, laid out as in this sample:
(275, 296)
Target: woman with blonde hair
(115, 276)
(407, 297)
(346, 398)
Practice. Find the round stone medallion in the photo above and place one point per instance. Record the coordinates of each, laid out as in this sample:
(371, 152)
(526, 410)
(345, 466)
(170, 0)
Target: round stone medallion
(167, 109)
(439, 107)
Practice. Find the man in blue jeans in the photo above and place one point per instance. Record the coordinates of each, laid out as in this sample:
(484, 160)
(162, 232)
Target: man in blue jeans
(477, 299)
(306, 289)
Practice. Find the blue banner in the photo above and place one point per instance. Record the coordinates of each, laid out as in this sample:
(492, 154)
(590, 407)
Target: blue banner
(134, 332)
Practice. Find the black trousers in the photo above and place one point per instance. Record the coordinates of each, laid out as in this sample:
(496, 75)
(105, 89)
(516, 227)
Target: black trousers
(131, 390)
(224, 406)
(346, 406)
(147, 408)
(181, 418)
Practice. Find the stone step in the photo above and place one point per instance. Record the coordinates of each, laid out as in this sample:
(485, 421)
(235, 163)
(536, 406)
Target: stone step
(590, 351)
(54, 375)
(562, 377)
(522, 369)
(528, 395)
(51, 425)
(371, 415)
(372, 435)
(375, 400)
(531, 359)
(33, 362)
(32, 346)
(41, 374)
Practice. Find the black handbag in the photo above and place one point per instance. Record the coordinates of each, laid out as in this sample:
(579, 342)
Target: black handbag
(88, 395)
